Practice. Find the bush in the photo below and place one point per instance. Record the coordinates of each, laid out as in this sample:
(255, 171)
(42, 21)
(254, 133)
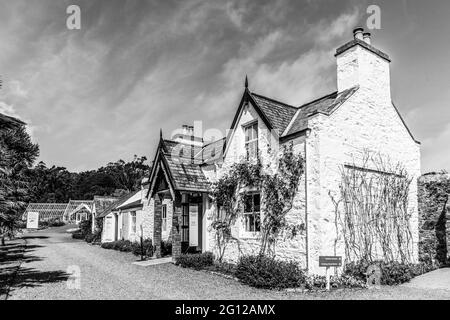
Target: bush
(85, 227)
(392, 273)
(56, 222)
(107, 245)
(196, 261)
(95, 237)
(146, 251)
(78, 235)
(336, 282)
(223, 267)
(268, 273)
(166, 248)
(21, 224)
(121, 245)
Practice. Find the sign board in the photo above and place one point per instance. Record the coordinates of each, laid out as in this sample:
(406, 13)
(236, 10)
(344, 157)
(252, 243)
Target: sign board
(193, 225)
(33, 220)
(329, 261)
(325, 261)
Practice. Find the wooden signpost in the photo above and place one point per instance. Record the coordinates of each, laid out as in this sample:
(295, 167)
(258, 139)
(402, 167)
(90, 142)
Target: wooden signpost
(327, 262)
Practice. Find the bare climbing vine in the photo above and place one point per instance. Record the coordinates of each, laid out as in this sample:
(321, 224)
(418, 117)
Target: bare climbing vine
(374, 215)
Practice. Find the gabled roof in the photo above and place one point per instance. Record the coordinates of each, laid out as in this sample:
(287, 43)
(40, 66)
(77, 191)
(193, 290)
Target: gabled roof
(325, 105)
(74, 204)
(137, 204)
(186, 175)
(132, 198)
(101, 203)
(278, 113)
(182, 173)
(287, 120)
(113, 206)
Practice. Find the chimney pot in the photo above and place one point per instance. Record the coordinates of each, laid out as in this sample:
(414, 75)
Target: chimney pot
(366, 37)
(358, 33)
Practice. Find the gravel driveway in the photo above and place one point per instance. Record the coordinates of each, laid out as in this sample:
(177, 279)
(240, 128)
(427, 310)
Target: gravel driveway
(52, 255)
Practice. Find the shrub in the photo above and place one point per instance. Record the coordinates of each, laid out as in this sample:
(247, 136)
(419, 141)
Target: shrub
(392, 273)
(344, 281)
(89, 238)
(56, 223)
(166, 248)
(195, 261)
(21, 224)
(78, 235)
(121, 245)
(223, 267)
(107, 245)
(146, 250)
(85, 227)
(268, 273)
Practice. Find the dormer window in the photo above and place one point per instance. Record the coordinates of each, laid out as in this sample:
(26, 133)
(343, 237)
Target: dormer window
(251, 140)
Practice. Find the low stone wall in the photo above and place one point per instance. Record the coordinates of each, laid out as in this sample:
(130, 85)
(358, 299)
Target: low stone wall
(434, 218)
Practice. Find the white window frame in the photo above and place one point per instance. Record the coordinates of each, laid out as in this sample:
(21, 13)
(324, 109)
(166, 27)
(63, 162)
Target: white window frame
(133, 222)
(251, 129)
(164, 217)
(246, 233)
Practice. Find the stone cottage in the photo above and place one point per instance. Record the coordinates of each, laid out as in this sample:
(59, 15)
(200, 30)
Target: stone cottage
(329, 132)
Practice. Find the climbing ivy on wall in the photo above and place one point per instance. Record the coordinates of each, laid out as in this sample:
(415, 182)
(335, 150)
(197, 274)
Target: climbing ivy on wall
(277, 190)
(434, 228)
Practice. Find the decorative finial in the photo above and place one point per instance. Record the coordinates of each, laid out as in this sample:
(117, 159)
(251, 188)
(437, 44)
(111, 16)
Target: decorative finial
(246, 82)
(160, 133)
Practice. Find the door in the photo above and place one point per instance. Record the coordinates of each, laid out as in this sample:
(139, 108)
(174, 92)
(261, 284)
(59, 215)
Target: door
(116, 227)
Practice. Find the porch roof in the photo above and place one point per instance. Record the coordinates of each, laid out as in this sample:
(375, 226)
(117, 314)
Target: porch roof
(185, 175)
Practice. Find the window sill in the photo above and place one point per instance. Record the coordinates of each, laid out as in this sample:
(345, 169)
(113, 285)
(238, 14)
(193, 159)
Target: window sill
(245, 235)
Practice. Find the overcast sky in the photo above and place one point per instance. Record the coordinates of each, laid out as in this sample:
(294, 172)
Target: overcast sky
(102, 93)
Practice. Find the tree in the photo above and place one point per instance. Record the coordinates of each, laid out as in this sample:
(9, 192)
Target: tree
(17, 154)
(127, 175)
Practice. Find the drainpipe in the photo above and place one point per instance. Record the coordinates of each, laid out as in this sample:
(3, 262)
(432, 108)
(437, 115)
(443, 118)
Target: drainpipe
(306, 202)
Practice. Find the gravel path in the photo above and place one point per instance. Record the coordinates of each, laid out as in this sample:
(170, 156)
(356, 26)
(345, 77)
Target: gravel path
(104, 274)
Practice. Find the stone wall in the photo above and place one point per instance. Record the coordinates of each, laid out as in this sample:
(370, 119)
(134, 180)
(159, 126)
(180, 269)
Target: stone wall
(363, 124)
(434, 218)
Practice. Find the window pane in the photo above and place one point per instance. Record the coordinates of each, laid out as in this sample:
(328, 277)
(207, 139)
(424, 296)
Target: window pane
(248, 203)
(256, 202)
(255, 131)
(247, 133)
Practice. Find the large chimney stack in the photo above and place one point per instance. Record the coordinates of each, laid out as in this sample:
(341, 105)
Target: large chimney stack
(360, 64)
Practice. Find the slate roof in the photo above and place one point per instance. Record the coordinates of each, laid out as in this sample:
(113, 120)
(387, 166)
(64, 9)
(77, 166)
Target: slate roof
(185, 174)
(326, 105)
(211, 152)
(101, 203)
(137, 204)
(115, 204)
(279, 114)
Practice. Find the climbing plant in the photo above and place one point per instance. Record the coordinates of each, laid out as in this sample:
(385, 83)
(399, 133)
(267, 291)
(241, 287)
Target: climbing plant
(374, 213)
(277, 189)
